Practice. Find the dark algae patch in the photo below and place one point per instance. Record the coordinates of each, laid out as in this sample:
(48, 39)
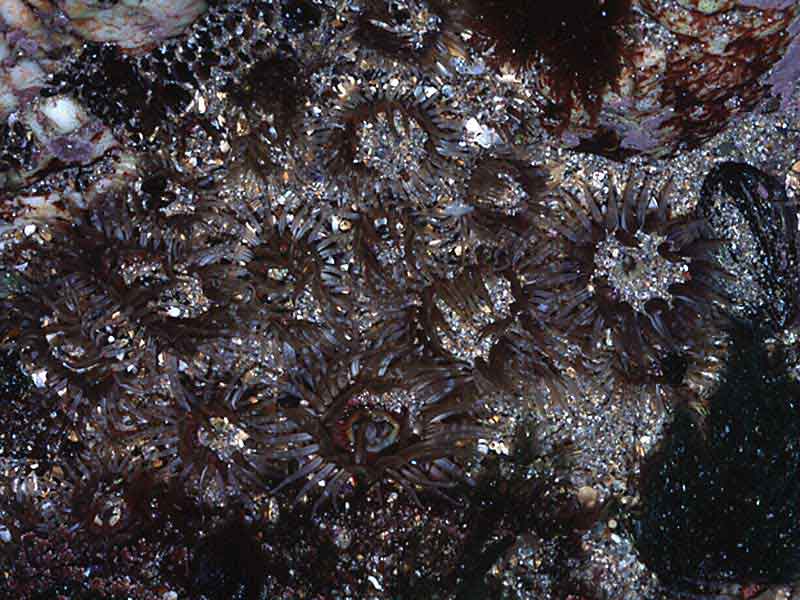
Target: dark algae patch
(579, 43)
(720, 495)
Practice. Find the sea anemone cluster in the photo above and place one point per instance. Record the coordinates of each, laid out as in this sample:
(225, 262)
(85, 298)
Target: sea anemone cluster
(350, 430)
(289, 289)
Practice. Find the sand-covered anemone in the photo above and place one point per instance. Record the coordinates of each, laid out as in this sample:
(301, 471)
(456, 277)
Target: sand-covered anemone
(635, 278)
(343, 431)
(203, 436)
(499, 203)
(108, 492)
(386, 137)
(292, 278)
(272, 92)
(418, 32)
(482, 323)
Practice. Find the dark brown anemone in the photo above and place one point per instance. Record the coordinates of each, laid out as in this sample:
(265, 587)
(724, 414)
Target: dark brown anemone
(417, 32)
(500, 203)
(203, 436)
(348, 431)
(506, 189)
(109, 493)
(481, 320)
(271, 94)
(383, 140)
(635, 279)
(383, 244)
(578, 44)
(294, 283)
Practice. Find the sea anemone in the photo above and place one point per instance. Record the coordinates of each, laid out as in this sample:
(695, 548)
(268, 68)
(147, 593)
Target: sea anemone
(105, 294)
(296, 281)
(204, 437)
(501, 202)
(634, 277)
(415, 32)
(386, 140)
(110, 493)
(505, 192)
(344, 429)
(383, 244)
(481, 320)
(272, 91)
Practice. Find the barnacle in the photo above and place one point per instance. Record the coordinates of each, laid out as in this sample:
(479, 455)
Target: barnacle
(55, 131)
(634, 278)
(345, 429)
(373, 123)
(30, 50)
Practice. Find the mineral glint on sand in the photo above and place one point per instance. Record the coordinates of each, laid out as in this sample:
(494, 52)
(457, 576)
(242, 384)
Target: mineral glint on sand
(399, 299)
